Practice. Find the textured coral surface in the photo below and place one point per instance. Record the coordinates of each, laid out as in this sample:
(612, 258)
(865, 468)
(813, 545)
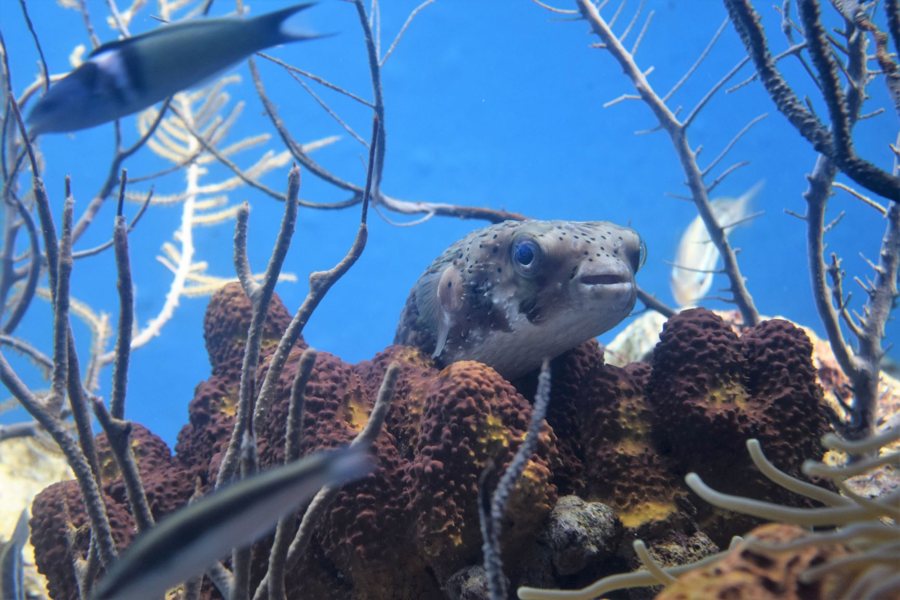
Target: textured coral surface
(623, 437)
(755, 573)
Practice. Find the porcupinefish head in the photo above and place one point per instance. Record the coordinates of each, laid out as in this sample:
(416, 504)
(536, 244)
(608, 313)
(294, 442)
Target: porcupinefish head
(512, 294)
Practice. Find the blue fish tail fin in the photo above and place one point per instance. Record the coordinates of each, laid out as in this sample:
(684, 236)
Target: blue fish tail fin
(276, 27)
(20, 534)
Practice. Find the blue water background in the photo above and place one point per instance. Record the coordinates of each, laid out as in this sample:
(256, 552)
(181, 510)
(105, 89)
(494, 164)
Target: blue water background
(489, 103)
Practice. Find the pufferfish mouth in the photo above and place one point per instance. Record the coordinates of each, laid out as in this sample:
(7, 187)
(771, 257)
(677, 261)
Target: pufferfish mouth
(604, 279)
(608, 276)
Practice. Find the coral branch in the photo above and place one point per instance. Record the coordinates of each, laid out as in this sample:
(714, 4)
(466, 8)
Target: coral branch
(118, 159)
(492, 521)
(611, 583)
(45, 74)
(8, 274)
(243, 433)
(319, 284)
(861, 367)
(118, 433)
(111, 242)
(403, 29)
(36, 356)
(284, 531)
(325, 496)
(126, 309)
(259, 295)
(653, 303)
(678, 135)
(836, 147)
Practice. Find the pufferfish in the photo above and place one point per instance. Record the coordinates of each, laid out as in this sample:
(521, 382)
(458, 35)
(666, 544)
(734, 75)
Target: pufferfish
(514, 293)
(123, 77)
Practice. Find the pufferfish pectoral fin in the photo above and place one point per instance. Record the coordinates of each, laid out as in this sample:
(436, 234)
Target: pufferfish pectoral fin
(450, 303)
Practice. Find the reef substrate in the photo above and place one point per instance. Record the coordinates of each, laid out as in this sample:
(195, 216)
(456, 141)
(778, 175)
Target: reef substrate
(609, 466)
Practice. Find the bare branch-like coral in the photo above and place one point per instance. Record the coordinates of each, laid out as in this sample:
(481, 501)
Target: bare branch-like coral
(677, 131)
(491, 513)
(836, 146)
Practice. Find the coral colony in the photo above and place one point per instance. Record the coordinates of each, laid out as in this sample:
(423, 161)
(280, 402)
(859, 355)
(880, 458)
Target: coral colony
(492, 451)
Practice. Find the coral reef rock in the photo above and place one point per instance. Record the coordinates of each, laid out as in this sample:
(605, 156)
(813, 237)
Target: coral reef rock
(619, 438)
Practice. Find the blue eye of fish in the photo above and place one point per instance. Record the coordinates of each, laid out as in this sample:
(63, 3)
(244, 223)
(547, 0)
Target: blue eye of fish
(525, 255)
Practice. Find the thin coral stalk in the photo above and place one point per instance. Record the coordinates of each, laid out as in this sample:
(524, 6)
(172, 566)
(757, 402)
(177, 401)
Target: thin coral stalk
(861, 367)
(126, 309)
(65, 365)
(491, 522)
(319, 284)
(357, 193)
(835, 146)
(654, 303)
(677, 132)
(323, 499)
(111, 242)
(622, 581)
(118, 433)
(45, 74)
(115, 167)
(8, 275)
(284, 531)
(37, 357)
(260, 296)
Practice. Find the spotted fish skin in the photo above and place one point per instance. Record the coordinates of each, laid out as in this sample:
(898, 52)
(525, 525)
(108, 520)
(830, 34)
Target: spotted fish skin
(511, 294)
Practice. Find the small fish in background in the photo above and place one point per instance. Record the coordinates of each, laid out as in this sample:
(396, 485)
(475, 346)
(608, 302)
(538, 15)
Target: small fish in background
(126, 76)
(12, 585)
(187, 542)
(514, 293)
(696, 257)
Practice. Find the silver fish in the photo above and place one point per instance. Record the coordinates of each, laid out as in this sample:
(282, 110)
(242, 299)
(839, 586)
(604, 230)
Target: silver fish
(187, 542)
(11, 585)
(511, 294)
(696, 257)
(123, 77)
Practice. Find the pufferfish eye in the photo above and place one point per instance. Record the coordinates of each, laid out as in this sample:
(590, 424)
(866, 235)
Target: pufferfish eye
(526, 255)
(638, 261)
(636, 254)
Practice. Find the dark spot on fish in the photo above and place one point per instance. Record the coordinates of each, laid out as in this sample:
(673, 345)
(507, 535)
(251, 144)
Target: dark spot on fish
(133, 68)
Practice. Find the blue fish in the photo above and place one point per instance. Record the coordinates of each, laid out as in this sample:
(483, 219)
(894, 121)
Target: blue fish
(11, 586)
(126, 76)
